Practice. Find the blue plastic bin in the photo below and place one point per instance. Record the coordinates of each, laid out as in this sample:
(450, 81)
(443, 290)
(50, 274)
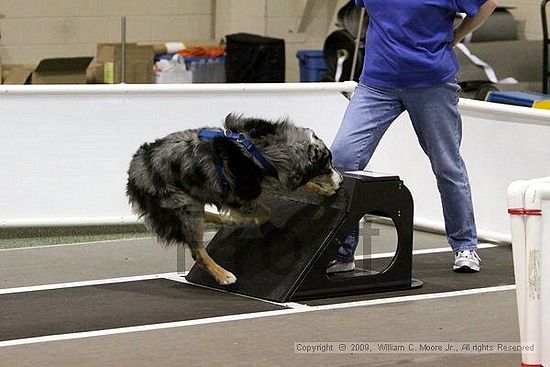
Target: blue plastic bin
(312, 65)
(205, 69)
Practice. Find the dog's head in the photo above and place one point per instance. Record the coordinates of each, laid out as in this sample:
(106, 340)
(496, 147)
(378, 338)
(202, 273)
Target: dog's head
(319, 174)
(299, 155)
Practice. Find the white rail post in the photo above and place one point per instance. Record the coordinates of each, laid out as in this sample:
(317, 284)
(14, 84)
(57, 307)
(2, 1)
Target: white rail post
(529, 244)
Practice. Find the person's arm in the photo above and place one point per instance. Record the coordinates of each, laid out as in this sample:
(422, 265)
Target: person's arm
(470, 24)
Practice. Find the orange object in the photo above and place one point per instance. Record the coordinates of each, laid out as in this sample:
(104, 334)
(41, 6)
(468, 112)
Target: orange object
(205, 51)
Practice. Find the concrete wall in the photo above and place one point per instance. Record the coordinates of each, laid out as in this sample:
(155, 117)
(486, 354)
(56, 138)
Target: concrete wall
(527, 12)
(282, 21)
(36, 29)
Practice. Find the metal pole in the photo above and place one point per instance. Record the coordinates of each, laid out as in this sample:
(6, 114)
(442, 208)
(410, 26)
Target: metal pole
(357, 42)
(123, 50)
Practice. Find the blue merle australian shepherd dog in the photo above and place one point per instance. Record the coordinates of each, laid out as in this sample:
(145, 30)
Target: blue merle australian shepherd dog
(170, 180)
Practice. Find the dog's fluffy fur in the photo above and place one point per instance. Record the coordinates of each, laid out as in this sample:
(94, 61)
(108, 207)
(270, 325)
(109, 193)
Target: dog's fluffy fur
(171, 179)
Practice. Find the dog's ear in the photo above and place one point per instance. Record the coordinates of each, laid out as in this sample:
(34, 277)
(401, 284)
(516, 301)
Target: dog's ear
(255, 127)
(295, 172)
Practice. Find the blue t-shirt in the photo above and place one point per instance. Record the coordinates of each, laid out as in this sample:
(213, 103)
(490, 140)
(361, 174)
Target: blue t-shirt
(409, 42)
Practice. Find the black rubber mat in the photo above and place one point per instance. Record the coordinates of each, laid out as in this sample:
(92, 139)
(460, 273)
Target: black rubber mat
(78, 309)
(435, 270)
(70, 310)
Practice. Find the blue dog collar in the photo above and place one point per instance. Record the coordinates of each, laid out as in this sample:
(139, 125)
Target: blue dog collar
(207, 134)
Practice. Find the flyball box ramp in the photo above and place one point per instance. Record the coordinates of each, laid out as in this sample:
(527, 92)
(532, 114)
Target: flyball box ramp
(285, 259)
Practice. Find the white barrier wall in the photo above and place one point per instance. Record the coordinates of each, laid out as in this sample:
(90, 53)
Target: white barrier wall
(65, 149)
(500, 144)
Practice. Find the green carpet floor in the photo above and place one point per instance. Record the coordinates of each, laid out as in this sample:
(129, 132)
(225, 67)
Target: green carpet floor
(45, 236)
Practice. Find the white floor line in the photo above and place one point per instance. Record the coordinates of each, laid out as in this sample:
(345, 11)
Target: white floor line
(416, 297)
(174, 276)
(183, 280)
(297, 306)
(254, 315)
(85, 283)
(133, 329)
(419, 252)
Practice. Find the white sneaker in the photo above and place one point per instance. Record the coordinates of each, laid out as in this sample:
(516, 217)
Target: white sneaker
(337, 266)
(466, 261)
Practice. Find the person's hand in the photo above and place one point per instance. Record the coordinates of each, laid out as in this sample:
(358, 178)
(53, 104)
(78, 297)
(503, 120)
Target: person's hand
(470, 24)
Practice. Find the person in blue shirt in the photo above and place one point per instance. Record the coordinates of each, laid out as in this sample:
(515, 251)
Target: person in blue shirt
(410, 66)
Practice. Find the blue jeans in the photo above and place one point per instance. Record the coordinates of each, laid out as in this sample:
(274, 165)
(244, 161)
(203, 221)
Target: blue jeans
(438, 126)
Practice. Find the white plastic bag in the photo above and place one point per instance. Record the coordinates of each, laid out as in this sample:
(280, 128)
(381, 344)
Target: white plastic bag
(172, 71)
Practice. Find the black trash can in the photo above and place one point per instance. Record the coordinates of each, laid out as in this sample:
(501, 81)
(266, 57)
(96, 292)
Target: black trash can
(251, 58)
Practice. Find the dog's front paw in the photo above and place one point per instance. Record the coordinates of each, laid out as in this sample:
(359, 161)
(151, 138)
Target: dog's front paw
(262, 220)
(251, 220)
(330, 192)
(321, 190)
(227, 278)
(244, 221)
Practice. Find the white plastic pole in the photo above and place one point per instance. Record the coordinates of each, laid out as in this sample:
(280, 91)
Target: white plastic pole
(516, 195)
(532, 285)
(534, 196)
(123, 49)
(525, 200)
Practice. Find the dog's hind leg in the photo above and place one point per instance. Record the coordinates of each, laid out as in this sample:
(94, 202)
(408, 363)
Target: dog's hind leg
(180, 219)
(204, 260)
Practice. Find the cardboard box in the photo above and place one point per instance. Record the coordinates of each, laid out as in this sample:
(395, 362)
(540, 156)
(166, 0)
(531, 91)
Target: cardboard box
(106, 67)
(70, 70)
(16, 73)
